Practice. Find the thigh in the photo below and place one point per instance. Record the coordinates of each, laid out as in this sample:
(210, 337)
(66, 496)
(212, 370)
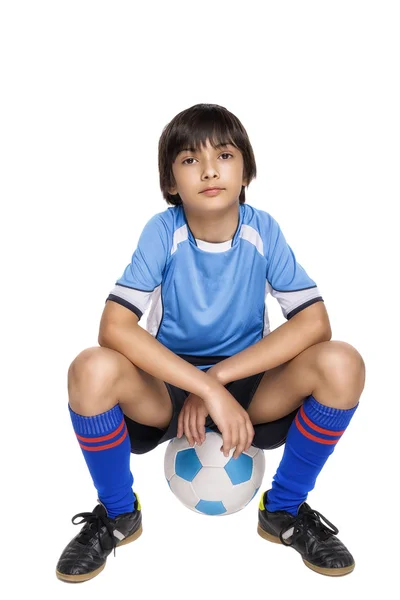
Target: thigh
(102, 376)
(144, 438)
(143, 397)
(283, 389)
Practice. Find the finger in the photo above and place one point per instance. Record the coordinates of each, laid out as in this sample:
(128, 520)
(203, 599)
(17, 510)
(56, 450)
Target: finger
(227, 438)
(242, 440)
(181, 417)
(186, 427)
(193, 426)
(250, 433)
(201, 428)
(235, 437)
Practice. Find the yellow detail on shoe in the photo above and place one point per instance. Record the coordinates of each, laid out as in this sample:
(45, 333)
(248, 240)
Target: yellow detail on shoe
(261, 505)
(137, 498)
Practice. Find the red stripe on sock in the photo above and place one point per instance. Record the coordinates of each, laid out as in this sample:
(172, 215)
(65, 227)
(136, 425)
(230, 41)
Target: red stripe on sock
(310, 436)
(316, 428)
(105, 446)
(102, 438)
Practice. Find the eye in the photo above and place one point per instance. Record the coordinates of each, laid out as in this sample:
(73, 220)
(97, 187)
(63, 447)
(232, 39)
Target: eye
(223, 154)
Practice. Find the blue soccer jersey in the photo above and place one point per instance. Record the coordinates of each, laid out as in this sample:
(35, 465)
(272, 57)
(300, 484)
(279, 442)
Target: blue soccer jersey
(208, 300)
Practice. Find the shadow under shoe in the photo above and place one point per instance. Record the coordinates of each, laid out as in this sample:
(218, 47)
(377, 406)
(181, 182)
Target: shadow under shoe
(317, 543)
(86, 554)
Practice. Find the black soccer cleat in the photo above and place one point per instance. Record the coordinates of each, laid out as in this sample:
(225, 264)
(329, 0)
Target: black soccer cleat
(318, 545)
(86, 554)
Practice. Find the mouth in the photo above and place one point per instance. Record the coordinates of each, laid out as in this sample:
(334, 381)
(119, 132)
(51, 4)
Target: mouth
(212, 191)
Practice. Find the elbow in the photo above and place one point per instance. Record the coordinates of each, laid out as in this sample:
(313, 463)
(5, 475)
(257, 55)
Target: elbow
(325, 332)
(101, 342)
(112, 335)
(103, 338)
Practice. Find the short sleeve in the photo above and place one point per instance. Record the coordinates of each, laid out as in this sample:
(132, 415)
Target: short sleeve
(288, 281)
(144, 273)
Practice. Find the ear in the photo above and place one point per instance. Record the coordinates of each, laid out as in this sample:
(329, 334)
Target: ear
(172, 191)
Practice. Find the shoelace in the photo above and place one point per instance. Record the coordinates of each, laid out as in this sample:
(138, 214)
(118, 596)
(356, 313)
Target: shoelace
(94, 519)
(300, 523)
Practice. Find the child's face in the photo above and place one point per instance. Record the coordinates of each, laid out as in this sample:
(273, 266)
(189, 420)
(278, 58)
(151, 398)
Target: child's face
(194, 171)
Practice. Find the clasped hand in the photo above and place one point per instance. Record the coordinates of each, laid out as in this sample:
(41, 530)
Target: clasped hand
(229, 416)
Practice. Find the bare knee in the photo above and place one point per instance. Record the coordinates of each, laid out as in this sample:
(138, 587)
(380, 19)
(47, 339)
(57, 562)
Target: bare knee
(91, 378)
(342, 365)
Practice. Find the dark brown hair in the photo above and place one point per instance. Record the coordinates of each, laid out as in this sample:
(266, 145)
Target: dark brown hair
(191, 128)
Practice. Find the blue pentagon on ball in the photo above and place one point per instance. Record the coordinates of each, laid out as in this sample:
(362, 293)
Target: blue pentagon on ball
(209, 507)
(239, 469)
(187, 464)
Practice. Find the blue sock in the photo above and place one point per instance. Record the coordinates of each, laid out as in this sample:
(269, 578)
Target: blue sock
(311, 439)
(106, 447)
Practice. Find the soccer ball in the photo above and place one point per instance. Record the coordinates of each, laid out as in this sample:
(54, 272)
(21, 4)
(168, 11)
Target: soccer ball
(206, 481)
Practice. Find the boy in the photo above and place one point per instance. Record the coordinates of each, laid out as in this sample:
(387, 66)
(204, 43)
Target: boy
(208, 357)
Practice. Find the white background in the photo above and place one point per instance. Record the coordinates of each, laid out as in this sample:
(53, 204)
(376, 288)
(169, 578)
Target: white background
(86, 89)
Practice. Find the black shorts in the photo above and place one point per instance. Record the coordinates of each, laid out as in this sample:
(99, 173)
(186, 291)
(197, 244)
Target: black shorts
(267, 436)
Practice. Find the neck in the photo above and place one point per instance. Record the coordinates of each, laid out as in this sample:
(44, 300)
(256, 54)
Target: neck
(214, 228)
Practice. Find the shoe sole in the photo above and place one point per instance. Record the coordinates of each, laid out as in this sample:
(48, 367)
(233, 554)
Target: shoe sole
(321, 570)
(86, 576)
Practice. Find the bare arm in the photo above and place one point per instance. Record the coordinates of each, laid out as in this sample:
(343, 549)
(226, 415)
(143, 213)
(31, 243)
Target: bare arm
(119, 330)
(308, 327)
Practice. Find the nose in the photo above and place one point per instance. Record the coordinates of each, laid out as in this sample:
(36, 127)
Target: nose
(210, 171)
